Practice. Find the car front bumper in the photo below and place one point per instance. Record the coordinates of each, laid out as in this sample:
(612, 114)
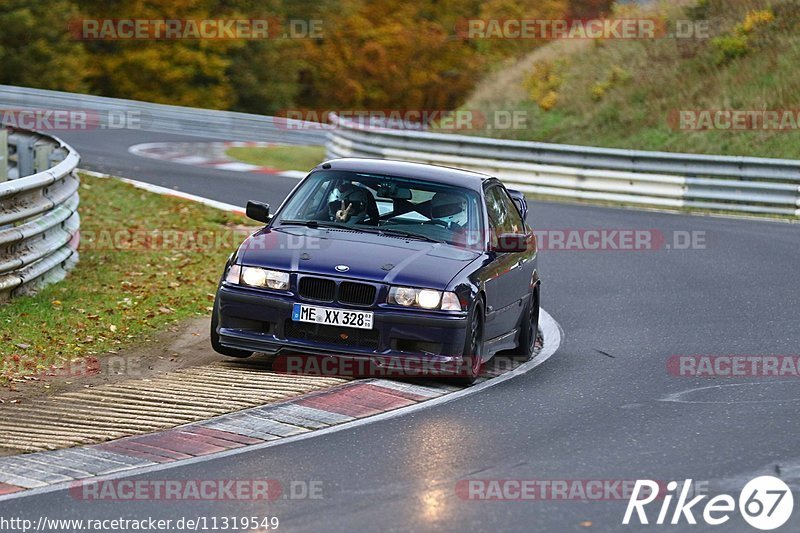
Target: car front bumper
(261, 321)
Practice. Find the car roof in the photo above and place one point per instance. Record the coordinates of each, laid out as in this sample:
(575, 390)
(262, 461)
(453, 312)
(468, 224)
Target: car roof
(406, 169)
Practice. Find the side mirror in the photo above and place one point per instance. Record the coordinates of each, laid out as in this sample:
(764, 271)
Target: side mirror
(510, 243)
(519, 201)
(258, 211)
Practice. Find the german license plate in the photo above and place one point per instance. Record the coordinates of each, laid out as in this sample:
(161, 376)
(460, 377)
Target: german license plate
(332, 317)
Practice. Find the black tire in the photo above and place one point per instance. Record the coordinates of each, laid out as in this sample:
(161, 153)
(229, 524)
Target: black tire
(224, 350)
(527, 337)
(473, 346)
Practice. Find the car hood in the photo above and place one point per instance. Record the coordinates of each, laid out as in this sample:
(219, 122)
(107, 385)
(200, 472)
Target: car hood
(372, 257)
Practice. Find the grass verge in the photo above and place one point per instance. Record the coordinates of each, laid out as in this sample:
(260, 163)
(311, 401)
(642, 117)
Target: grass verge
(147, 261)
(280, 157)
(628, 93)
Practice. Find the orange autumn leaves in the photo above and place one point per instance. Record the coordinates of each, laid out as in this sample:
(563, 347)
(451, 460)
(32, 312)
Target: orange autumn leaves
(371, 54)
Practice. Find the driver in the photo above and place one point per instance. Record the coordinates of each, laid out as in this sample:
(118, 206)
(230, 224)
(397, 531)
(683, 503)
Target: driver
(348, 203)
(451, 209)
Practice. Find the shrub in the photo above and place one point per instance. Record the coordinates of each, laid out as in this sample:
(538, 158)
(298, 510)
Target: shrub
(729, 47)
(755, 19)
(737, 42)
(543, 83)
(698, 11)
(549, 101)
(615, 76)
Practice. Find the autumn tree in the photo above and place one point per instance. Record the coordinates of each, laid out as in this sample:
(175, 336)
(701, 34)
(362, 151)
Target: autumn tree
(181, 72)
(35, 48)
(589, 9)
(374, 54)
(264, 73)
(383, 54)
(498, 49)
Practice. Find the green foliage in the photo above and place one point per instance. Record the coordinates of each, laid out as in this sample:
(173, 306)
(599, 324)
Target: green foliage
(698, 11)
(497, 49)
(264, 76)
(614, 77)
(35, 48)
(543, 83)
(729, 47)
(737, 42)
(654, 80)
(586, 9)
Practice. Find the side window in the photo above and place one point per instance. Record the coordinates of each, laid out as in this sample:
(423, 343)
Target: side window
(316, 202)
(514, 223)
(309, 200)
(498, 214)
(503, 214)
(494, 208)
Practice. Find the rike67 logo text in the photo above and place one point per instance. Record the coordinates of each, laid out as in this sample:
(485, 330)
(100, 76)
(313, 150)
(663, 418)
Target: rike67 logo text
(765, 503)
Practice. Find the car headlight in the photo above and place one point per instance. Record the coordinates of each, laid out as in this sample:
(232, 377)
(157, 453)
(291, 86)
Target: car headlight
(405, 296)
(424, 298)
(259, 277)
(429, 299)
(234, 274)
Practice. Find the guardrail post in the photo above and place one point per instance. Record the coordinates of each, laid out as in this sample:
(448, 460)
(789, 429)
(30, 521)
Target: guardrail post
(25, 156)
(3, 155)
(797, 203)
(41, 157)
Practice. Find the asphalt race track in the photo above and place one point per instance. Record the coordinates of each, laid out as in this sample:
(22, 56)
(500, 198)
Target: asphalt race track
(107, 152)
(595, 411)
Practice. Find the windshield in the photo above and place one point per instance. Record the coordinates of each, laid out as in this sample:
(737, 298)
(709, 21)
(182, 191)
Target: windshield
(373, 203)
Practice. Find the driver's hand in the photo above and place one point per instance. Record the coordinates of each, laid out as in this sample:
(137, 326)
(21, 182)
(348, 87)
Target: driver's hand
(343, 215)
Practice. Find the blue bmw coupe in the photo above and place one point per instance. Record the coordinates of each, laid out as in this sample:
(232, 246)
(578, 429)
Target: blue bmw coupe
(386, 262)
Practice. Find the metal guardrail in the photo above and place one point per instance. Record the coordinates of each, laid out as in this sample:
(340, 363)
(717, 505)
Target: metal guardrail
(39, 221)
(116, 113)
(663, 179)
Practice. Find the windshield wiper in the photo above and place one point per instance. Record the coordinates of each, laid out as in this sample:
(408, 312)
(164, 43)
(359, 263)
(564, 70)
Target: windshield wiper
(315, 224)
(409, 234)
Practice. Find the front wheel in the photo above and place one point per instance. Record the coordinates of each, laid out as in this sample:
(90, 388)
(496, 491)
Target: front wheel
(224, 350)
(473, 346)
